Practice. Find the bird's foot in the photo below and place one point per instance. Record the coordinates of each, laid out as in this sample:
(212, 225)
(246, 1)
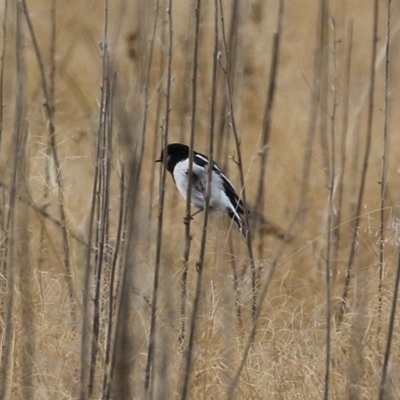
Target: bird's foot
(187, 219)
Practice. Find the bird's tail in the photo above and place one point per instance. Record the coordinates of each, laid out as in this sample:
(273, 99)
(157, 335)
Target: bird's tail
(239, 220)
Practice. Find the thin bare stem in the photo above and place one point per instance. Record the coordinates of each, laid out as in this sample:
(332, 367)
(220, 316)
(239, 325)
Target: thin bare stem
(156, 128)
(45, 214)
(385, 155)
(53, 144)
(365, 165)
(330, 221)
(188, 237)
(266, 132)
(112, 292)
(53, 40)
(146, 83)
(323, 87)
(222, 137)
(241, 172)
(95, 230)
(9, 247)
(3, 60)
(149, 377)
(314, 112)
(200, 261)
(121, 364)
(343, 152)
(103, 201)
(390, 333)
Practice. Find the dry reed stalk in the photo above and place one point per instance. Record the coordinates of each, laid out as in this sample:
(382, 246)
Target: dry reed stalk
(49, 108)
(21, 236)
(385, 156)
(383, 381)
(314, 111)
(188, 364)
(248, 235)
(120, 372)
(53, 64)
(10, 243)
(360, 199)
(156, 129)
(115, 278)
(222, 133)
(236, 279)
(22, 260)
(331, 216)
(120, 339)
(98, 226)
(3, 246)
(187, 219)
(322, 95)
(3, 58)
(186, 85)
(103, 161)
(222, 136)
(146, 85)
(149, 375)
(359, 328)
(343, 152)
(267, 123)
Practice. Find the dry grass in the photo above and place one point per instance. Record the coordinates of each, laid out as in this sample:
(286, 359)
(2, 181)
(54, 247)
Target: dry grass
(42, 354)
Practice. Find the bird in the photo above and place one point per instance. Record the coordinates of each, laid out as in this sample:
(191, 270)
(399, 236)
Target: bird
(223, 194)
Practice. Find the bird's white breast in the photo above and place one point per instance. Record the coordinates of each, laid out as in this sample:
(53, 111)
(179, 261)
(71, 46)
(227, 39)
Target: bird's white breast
(218, 199)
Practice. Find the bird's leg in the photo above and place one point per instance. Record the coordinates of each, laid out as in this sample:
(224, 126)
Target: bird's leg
(190, 216)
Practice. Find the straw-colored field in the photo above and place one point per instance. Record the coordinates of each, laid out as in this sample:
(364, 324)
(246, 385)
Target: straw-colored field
(319, 210)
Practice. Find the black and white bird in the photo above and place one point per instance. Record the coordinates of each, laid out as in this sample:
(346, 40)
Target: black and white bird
(223, 194)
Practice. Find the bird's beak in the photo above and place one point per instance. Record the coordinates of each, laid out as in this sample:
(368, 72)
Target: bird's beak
(158, 160)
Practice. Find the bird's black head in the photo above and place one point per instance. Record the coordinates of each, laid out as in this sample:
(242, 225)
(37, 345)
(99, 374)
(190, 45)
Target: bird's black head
(175, 152)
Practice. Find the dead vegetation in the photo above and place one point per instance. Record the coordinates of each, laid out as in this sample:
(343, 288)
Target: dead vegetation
(106, 293)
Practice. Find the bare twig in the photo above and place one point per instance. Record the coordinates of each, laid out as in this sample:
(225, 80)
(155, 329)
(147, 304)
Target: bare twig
(343, 152)
(314, 111)
(331, 213)
(382, 386)
(149, 377)
(188, 237)
(156, 128)
(323, 86)
(3, 59)
(146, 84)
(53, 40)
(248, 236)
(200, 261)
(365, 165)
(112, 291)
(222, 137)
(42, 211)
(50, 116)
(266, 132)
(97, 231)
(385, 155)
(121, 363)
(9, 265)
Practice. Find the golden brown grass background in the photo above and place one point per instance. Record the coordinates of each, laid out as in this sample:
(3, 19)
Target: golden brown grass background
(287, 358)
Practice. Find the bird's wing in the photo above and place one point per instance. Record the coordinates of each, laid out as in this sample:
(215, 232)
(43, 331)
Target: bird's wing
(231, 193)
(230, 190)
(199, 178)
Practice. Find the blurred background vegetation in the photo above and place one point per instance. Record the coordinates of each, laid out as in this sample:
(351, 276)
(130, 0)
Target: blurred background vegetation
(84, 115)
